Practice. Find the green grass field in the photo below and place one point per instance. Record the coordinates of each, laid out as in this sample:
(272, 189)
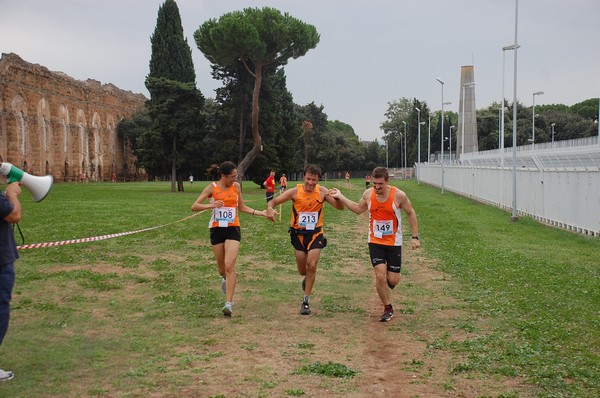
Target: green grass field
(137, 315)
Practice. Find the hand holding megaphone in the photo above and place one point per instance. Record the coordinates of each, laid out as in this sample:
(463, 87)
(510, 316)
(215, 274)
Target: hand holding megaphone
(13, 189)
(38, 186)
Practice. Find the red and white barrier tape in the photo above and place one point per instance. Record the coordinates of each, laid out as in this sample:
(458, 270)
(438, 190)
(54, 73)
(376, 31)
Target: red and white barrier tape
(98, 238)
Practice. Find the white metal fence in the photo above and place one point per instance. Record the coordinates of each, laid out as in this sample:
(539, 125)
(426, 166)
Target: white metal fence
(557, 184)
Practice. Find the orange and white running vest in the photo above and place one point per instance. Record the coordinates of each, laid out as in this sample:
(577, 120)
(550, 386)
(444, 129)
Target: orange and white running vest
(227, 215)
(385, 221)
(307, 211)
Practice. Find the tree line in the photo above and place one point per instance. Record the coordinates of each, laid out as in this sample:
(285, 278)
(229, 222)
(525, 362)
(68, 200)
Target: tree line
(254, 121)
(576, 121)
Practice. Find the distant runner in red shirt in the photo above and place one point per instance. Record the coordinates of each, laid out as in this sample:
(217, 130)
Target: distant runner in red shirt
(270, 185)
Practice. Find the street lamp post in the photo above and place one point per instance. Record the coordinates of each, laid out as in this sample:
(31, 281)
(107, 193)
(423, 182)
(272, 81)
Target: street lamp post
(442, 132)
(501, 146)
(418, 134)
(385, 137)
(402, 174)
(451, 127)
(405, 135)
(418, 141)
(514, 137)
(419, 168)
(533, 119)
(405, 145)
(552, 125)
(462, 138)
(499, 131)
(429, 139)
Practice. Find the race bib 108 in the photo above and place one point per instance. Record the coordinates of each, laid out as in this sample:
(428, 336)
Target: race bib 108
(224, 215)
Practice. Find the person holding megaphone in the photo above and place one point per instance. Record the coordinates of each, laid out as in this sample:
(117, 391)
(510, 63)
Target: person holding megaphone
(10, 213)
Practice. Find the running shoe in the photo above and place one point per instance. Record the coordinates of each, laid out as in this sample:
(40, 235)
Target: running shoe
(304, 308)
(387, 315)
(227, 309)
(6, 375)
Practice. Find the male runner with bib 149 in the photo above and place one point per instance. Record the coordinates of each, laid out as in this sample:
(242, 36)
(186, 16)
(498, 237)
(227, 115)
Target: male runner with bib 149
(384, 203)
(306, 225)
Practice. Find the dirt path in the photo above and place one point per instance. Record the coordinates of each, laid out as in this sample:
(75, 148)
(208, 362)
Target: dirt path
(262, 349)
(257, 355)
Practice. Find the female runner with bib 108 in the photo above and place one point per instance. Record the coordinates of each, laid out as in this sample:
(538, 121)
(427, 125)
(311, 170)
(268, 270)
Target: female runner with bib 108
(225, 201)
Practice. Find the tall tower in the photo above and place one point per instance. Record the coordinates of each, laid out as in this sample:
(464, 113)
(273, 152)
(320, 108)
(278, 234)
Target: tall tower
(466, 113)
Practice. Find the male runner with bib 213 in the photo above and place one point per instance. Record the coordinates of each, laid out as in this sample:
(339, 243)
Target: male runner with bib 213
(306, 226)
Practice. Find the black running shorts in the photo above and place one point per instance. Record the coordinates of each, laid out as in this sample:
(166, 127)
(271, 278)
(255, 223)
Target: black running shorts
(389, 255)
(219, 235)
(305, 241)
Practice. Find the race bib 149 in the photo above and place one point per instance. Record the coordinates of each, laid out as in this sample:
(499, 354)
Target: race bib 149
(383, 227)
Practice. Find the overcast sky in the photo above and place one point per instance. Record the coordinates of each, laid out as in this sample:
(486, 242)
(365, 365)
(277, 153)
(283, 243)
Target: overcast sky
(370, 53)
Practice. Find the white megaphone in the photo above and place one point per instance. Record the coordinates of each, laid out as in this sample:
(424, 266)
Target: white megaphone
(38, 186)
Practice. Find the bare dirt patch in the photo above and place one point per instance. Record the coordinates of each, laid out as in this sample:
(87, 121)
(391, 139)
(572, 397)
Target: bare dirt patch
(258, 353)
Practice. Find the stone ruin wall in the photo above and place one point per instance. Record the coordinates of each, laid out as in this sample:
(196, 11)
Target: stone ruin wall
(52, 124)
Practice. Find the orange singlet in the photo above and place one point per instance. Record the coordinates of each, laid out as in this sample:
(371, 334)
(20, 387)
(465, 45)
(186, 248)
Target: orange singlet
(384, 221)
(227, 215)
(307, 211)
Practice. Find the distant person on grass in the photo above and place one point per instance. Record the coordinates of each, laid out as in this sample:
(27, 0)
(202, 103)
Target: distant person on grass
(270, 185)
(10, 213)
(225, 202)
(282, 184)
(306, 226)
(384, 203)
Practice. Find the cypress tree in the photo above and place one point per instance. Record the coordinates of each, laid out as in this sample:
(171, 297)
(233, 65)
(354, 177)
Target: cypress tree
(171, 55)
(175, 102)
